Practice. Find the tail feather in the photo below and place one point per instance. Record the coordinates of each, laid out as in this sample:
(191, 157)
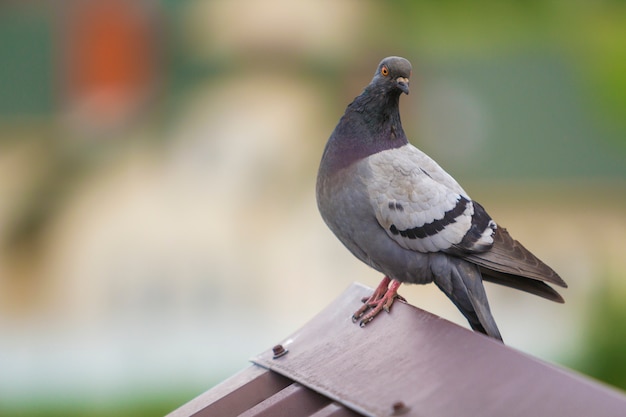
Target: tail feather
(529, 285)
(461, 281)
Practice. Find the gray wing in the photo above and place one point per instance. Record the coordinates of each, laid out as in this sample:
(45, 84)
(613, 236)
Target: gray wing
(422, 207)
(509, 263)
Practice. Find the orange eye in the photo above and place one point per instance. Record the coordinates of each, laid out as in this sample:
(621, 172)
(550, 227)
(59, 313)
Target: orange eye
(384, 71)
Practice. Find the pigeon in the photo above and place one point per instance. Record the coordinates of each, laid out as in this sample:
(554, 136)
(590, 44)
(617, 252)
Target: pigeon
(400, 213)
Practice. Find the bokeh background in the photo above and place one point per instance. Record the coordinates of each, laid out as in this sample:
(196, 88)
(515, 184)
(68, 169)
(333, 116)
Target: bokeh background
(158, 224)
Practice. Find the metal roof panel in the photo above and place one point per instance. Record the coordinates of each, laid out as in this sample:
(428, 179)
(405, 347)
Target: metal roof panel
(409, 363)
(430, 366)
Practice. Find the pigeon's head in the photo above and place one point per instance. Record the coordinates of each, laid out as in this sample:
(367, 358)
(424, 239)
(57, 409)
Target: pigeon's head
(393, 74)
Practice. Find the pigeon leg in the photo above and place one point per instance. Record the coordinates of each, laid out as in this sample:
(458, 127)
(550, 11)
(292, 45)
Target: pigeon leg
(382, 299)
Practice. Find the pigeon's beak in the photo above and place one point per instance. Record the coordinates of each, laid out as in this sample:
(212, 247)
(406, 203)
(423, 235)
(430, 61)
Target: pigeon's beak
(403, 84)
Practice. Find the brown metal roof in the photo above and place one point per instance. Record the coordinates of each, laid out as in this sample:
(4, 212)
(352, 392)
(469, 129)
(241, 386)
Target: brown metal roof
(409, 363)
(257, 391)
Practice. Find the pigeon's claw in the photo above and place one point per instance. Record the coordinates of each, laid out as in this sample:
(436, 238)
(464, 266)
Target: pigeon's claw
(382, 299)
(359, 313)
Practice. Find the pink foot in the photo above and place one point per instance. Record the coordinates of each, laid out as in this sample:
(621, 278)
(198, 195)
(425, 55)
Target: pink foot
(382, 299)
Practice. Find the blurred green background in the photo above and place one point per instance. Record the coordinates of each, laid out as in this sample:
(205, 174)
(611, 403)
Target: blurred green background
(158, 225)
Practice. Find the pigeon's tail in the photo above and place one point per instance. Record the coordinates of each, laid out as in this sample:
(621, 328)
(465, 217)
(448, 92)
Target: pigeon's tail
(463, 284)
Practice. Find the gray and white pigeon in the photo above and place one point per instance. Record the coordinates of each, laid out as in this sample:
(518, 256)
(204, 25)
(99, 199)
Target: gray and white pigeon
(399, 212)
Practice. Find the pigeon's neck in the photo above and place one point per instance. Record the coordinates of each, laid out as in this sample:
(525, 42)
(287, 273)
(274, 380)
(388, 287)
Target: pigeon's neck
(379, 107)
(371, 124)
